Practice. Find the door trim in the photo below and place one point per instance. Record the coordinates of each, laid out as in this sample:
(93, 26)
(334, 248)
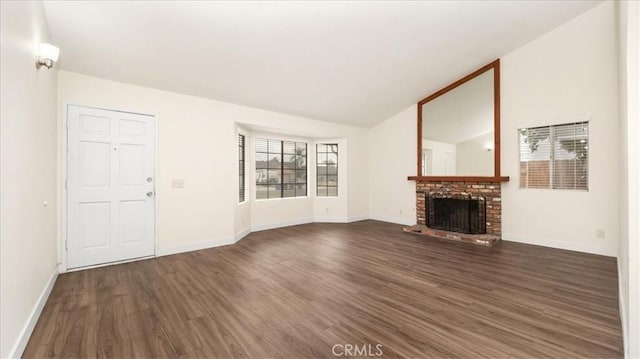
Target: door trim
(63, 206)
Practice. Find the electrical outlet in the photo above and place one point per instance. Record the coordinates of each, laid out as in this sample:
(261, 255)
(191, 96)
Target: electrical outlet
(326, 210)
(401, 212)
(600, 233)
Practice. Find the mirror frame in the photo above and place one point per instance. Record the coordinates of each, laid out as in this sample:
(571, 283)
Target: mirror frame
(495, 66)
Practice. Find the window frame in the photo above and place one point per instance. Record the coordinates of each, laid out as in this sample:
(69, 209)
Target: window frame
(282, 168)
(552, 136)
(242, 168)
(326, 186)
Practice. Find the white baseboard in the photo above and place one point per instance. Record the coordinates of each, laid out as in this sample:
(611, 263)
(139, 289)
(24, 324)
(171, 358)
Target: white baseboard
(396, 220)
(77, 269)
(195, 246)
(339, 219)
(242, 234)
(330, 220)
(23, 339)
(578, 246)
(622, 300)
(294, 222)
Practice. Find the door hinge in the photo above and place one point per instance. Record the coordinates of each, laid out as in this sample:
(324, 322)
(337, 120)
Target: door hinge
(66, 245)
(66, 183)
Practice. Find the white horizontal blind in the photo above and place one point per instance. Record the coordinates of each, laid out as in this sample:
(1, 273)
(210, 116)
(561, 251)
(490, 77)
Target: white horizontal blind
(554, 157)
(570, 159)
(535, 157)
(241, 168)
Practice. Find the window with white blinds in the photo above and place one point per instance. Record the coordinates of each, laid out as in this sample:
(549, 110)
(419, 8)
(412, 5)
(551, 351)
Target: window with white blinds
(241, 168)
(555, 157)
(281, 169)
(327, 170)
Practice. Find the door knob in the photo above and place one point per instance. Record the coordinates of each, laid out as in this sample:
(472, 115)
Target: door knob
(149, 194)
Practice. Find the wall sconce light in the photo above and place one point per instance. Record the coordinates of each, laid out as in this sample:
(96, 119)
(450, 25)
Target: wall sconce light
(47, 55)
(488, 146)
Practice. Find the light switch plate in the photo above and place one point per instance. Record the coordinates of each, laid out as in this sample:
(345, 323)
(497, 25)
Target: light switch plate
(177, 183)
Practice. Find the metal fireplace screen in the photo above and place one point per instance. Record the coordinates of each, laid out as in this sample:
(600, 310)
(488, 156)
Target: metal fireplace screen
(463, 214)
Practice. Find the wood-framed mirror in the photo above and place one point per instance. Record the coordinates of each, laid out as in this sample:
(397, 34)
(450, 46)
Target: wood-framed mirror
(459, 129)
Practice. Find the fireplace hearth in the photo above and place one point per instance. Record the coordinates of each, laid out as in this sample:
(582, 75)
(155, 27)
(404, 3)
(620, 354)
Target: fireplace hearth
(485, 208)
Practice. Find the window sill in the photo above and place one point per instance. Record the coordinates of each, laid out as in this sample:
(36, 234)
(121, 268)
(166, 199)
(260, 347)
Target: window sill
(280, 199)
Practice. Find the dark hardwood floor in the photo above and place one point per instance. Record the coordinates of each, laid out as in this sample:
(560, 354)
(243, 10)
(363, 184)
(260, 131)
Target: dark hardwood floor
(296, 292)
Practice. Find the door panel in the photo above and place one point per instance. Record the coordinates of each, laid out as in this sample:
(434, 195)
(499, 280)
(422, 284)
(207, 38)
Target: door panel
(95, 164)
(94, 222)
(132, 169)
(133, 221)
(94, 124)
(110, 173)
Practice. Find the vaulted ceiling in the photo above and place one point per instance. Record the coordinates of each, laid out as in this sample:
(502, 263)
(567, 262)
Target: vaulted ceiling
(350, 62)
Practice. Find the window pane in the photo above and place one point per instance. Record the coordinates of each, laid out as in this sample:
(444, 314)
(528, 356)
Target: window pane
(289, 161)
(275, 146)
(301, 176)
(275, 191)
(241, 168)
(275, 176)
(332, 191)
(322, 159)
(282, 165)
(322, 179)
(301, 190)
(261, 191)
(321, 148)
(261, 145)
(262, 176)
(332, 159)
(289, 148)
(301, 148)
(301, 162)
(289, 176)
(570, 154)
(274, 160)
(322, 191)
(332, 180)
(332, 169)
(289, 191)
(554, 157)
(535, 157)
(261, 160)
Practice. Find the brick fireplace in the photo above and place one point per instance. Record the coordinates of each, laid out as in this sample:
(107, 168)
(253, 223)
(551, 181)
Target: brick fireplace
(490, 192)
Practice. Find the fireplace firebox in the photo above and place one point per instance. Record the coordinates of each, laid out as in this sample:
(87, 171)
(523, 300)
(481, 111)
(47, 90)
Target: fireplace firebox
(463, 214)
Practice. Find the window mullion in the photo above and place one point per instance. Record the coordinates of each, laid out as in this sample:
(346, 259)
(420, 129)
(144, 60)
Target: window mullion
(281, 169)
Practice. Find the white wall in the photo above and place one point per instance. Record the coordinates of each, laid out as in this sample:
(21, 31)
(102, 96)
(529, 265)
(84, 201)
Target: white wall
(439, 153)
(473, 158)
(629, 248)
(392, 157)
(567, 74)
(198, 143)
(28, 263)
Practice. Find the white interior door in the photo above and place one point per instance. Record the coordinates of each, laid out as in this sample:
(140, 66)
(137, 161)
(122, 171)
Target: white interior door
(110, 186)
(450, 163)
